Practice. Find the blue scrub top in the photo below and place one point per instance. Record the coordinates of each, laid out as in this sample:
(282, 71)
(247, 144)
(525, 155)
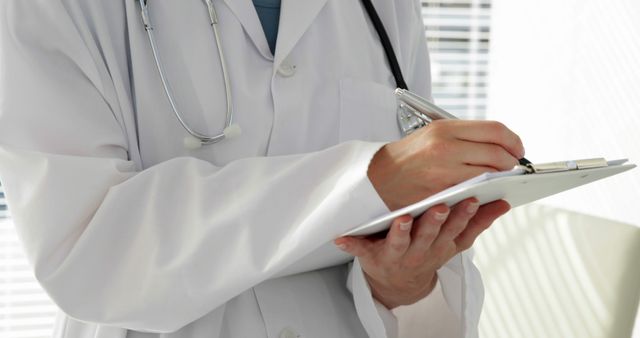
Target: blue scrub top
(269, 14)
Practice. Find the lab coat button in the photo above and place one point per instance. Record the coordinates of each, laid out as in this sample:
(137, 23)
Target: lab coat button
(287, 332)
(286, 70)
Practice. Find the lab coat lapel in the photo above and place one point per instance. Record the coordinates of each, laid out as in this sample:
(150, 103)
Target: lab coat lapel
(248, 17)
(295, 17)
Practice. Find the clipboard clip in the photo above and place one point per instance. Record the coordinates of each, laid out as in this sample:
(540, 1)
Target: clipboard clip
(553, 167)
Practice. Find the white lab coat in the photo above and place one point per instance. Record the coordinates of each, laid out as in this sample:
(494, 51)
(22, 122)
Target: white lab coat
(134, 236)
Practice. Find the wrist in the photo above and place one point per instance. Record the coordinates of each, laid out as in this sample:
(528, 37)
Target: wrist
(380, 173)
(394, 296)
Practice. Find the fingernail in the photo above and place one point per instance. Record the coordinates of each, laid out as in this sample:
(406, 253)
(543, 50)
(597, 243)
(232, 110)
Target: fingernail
(342, 246)
(473, 207)
(441, 216)
(405, 226)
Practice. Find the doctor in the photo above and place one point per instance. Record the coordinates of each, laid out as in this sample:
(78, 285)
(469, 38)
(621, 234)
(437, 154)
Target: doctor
(134, 235)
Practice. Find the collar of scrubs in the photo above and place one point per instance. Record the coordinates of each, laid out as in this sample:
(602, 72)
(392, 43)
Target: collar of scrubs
(269, 14)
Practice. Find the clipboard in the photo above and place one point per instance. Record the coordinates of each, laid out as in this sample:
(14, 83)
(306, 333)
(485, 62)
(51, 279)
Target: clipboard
(519, 186)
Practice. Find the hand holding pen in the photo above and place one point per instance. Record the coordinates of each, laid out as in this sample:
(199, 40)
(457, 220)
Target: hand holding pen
(441, 155)
(424, 112)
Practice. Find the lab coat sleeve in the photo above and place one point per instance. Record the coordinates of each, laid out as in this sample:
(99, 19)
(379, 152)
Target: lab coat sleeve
(461, 284)
(378, 321)
(463, 290)
(154, 249)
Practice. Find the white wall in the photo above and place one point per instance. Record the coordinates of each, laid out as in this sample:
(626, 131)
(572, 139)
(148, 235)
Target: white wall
(565, 75)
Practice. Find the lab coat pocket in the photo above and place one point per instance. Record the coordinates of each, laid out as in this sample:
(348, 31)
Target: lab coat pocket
(367, 111)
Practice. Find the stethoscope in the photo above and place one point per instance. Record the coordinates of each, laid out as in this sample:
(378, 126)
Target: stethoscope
(409, 119)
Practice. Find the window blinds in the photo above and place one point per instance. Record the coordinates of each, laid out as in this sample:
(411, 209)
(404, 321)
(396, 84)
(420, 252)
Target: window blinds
(25, 310)
(458, 37)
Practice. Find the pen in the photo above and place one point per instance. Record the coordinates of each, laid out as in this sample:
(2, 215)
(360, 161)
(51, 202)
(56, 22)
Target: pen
(427, 111)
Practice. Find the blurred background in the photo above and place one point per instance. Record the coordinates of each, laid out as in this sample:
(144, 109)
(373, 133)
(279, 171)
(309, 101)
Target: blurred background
(565, 75)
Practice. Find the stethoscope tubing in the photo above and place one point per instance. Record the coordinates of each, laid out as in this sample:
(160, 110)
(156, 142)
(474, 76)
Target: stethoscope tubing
(204, 139)
(386, 44)
(223, 64)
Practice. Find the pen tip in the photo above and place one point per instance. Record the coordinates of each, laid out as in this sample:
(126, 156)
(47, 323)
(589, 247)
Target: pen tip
(524, 161)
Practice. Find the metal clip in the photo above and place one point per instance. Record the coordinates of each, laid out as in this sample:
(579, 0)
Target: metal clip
(552, 167)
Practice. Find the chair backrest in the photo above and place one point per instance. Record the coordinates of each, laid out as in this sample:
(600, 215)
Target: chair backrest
(555, 273)
(548, 273)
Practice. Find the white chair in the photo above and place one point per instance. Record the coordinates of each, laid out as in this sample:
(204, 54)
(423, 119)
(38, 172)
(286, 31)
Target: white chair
(549, 273)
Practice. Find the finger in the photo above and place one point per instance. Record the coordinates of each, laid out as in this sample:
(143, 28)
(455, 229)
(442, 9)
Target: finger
(398, 239)
(425, 230)
(485, 216)
(460, 216)
(488, 155)
(357, 246)
(485, 132)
